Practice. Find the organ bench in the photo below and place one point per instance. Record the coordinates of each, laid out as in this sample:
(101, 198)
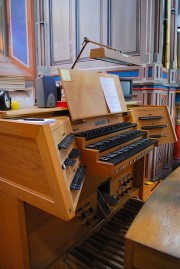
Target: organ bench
(153, 239)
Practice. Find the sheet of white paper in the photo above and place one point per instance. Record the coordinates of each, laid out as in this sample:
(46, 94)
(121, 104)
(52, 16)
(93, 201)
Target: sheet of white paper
(37, 120)
(110, 94)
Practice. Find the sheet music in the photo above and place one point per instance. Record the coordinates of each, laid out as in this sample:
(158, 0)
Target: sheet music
(110, 94)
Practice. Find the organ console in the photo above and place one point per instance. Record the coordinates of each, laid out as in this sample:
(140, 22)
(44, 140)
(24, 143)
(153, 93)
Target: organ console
(71, 186)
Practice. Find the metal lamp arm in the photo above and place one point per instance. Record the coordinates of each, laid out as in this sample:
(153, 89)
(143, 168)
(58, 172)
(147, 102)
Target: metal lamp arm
(85, 42)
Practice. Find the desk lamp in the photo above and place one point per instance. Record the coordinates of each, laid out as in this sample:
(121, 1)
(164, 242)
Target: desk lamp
(108, 54)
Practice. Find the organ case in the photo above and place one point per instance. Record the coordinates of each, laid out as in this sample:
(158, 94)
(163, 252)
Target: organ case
(71, 177)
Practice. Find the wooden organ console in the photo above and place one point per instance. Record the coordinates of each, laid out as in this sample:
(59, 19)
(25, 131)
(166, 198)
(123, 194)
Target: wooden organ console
(71, 186)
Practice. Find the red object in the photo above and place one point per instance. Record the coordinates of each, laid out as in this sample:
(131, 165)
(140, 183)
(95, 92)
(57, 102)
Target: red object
(62, 104)
(177, 144)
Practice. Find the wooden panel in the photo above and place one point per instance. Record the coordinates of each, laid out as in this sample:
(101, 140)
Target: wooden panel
(85, 96)
(49, 237)
(93, 123)
(158, 261)
(13, 238)
(32, 111)
(156, 229)
(31, 169)
(29, 159)
(167, 134)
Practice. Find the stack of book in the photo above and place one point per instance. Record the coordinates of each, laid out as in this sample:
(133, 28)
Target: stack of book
(12, 82)
(12, 79)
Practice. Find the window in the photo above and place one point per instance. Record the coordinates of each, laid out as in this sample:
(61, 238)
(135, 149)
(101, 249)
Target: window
(61, 26)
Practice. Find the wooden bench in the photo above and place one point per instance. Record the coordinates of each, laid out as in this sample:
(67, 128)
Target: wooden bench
(153, 240)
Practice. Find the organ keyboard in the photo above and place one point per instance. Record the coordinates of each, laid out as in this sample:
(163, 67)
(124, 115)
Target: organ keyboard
(115, 149)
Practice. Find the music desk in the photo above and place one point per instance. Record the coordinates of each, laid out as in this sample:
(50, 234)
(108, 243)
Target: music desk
(153, 240)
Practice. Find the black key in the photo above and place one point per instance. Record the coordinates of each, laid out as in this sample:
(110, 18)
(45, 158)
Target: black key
(120, 155)
(66, 142)
(75, 153)
(151, 118)
(90, 134)
(78, 178)
(69, 162)
(148, 127)
(114, 141)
